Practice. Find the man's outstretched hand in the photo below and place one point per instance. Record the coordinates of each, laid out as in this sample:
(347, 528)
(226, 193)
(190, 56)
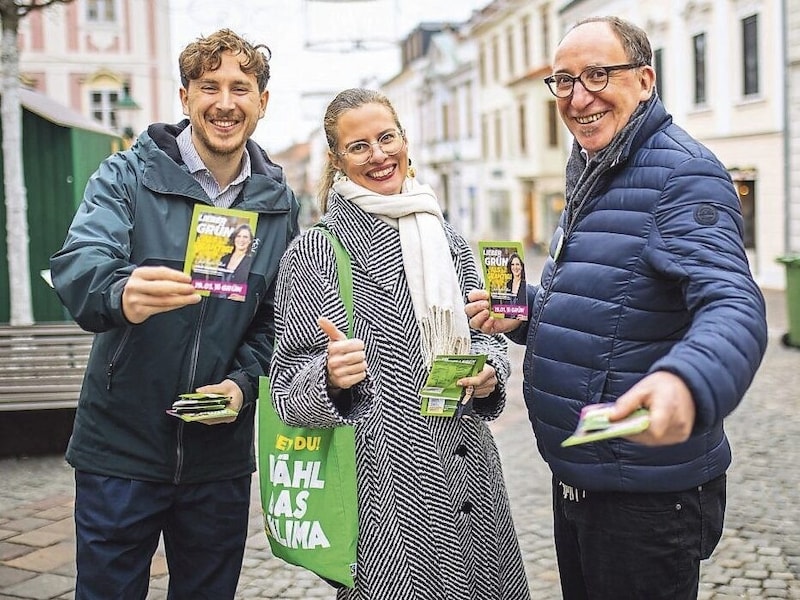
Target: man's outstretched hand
(153, 290)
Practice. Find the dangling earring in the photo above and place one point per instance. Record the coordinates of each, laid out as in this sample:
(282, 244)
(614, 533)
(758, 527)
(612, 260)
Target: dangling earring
(339, 176)
(412, 172)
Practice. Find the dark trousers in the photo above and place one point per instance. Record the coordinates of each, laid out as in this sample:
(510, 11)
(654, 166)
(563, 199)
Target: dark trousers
(118, 523)
(635, 546)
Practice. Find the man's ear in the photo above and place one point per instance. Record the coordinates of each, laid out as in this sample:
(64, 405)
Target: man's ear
(263, 101)
(184, 95)
(647, 79)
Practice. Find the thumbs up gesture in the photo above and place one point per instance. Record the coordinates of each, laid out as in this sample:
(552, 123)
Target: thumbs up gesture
(347, 361)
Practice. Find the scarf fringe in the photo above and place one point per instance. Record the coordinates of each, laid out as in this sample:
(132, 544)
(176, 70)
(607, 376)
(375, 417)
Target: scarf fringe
(436, 295)
(439, 336)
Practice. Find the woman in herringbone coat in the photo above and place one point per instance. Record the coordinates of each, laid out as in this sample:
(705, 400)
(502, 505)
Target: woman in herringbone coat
(434, 517)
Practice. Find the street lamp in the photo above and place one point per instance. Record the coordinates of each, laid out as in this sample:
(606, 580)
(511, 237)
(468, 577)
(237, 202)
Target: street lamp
(125, 108)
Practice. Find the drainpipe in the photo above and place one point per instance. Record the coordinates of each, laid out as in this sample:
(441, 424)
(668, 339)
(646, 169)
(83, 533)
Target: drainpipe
(787, 155)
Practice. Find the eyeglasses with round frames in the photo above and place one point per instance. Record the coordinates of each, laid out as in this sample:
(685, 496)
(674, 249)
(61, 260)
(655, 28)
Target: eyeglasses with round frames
(593, 79)
(360, 152)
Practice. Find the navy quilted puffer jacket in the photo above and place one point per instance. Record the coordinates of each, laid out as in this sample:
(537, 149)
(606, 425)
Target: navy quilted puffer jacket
(651, 275)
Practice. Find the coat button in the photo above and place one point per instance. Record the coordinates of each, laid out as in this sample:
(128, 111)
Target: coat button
(466, 507)
(461, 450)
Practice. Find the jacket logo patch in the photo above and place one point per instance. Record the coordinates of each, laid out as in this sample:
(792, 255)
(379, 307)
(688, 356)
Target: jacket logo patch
(706, 214)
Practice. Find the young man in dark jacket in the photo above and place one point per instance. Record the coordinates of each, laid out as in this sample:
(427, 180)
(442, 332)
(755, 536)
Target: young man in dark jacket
(140, 472)
(646, 300)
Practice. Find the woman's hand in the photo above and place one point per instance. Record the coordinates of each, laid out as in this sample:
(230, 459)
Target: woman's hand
(483, 383)
(347, 361)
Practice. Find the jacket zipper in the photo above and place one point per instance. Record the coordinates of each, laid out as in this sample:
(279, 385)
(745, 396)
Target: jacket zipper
(115, 356)
(190, 385)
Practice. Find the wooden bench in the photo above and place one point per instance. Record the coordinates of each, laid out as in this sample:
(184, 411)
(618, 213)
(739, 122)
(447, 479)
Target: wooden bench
(41, 366)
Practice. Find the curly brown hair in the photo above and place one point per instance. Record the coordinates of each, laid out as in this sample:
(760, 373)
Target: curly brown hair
(205, 54)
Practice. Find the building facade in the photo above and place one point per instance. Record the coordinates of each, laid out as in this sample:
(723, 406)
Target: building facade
(523, 143)
(792, 125)
(107, 59)
(727, 70)
(720, 73)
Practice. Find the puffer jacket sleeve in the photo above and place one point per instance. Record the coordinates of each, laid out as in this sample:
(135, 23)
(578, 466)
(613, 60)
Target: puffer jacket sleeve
(90, 270)
(698, 240)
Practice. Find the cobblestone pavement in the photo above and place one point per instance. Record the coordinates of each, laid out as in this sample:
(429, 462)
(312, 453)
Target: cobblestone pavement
(758, 556)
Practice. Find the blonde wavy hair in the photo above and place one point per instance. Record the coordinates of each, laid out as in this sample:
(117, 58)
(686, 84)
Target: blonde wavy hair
(345, 100)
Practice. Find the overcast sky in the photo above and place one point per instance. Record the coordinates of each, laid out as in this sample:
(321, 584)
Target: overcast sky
(303, 80)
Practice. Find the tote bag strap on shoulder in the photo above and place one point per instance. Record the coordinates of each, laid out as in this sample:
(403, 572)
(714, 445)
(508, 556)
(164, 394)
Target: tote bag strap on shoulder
(314, 527)
(344, 270)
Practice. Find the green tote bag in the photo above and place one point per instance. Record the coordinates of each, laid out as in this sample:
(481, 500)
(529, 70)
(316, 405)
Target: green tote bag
(308, 478)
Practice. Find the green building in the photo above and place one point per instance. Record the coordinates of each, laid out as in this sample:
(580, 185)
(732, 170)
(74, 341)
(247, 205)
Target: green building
(60, 150)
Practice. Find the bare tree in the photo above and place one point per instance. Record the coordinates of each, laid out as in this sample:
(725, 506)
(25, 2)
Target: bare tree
(17, 240)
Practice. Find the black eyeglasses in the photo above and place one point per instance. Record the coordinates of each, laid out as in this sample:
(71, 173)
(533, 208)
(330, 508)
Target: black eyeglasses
(593, 79)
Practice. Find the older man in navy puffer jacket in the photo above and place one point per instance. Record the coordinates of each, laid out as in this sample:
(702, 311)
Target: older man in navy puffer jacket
(646, 300)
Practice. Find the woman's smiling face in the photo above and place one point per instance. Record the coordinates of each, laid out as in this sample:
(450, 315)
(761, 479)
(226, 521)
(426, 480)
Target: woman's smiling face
(382, 173)
(242, 240)
(516, 267)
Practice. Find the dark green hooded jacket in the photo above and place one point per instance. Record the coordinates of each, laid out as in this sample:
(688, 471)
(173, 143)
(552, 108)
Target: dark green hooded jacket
(137, 211)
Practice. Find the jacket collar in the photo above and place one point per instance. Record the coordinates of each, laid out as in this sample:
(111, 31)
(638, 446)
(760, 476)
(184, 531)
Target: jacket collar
(165, 173)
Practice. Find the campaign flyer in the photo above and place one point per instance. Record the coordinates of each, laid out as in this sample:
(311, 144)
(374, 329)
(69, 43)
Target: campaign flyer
(503, 267)
(220, 250)
(593, 425)
(441, 396)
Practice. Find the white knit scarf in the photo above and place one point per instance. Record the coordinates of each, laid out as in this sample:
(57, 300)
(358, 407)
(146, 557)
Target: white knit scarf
(435, 291)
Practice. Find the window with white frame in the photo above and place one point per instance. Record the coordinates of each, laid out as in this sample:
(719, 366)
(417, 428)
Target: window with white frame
(544, 18)
(101, 11)
(102, 104)
(699, 47)
(750, 55)
(495, 59)
(552, 123)
(512, 68)
(525, 32)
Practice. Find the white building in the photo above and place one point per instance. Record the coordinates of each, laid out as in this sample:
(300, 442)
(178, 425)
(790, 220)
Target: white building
(415, 92)
(720, 72)
(451, 141)
(792, 23)
(522, 139)
(96, 56)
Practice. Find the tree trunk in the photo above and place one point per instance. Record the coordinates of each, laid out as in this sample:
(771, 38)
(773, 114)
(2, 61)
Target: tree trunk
(19, 275)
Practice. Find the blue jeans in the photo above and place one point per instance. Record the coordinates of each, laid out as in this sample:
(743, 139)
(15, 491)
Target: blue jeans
(118, 523)
(636, 546)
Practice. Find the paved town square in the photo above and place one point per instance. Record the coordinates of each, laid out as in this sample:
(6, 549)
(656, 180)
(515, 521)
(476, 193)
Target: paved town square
(758, 556)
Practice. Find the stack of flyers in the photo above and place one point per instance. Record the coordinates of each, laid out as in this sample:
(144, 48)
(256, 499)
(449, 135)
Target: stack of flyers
(201, 407)
(594, 425)
(441, 396)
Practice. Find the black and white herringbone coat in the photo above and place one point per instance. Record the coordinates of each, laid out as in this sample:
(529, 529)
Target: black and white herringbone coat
(434, 518)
